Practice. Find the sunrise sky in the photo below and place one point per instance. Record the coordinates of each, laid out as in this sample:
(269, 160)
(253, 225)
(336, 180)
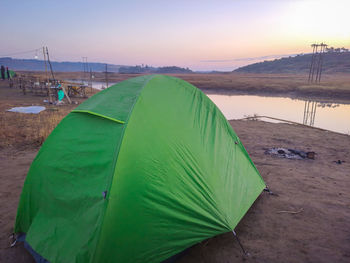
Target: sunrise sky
(201, 35)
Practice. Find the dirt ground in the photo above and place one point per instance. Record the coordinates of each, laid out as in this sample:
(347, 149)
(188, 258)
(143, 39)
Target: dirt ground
(307, 221)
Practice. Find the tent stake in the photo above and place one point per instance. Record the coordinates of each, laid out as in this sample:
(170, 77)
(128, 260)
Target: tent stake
(269, 191)
(239, 242)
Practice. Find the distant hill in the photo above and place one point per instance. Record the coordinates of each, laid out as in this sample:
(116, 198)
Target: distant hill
(332, 62)
(38, 65)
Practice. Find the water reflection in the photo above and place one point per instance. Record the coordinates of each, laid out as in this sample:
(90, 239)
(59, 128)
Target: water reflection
(309, 112)
(326, 115)
(310, 109)
(100, 85)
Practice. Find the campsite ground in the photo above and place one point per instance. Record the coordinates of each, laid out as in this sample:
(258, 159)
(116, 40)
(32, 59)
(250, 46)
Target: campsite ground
(306, 222)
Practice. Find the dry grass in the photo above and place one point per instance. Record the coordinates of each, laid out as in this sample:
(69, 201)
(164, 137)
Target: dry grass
(20, 130)
(27, 130)
(333, 86)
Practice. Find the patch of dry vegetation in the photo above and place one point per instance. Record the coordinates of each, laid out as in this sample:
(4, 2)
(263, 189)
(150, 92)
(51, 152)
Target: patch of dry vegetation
(21, 130)
(333, 86)
(272, 82)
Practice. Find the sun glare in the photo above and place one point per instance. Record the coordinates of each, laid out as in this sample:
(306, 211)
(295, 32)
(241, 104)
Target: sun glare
(319, 20)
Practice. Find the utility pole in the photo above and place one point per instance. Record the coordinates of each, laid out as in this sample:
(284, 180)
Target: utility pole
(309, 112)
(106, 77)
(46, 78)
(85, 69)
(90, 82)
(48, 60)
(323, 48)
(315, 73)
(315, 70)
(53, 77)
(45, 62)
(314, 47)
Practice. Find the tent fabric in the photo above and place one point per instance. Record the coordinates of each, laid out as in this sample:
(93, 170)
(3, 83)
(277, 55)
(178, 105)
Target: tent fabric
(137, 173)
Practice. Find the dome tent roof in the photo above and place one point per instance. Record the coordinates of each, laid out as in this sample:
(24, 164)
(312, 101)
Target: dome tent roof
(137, 173)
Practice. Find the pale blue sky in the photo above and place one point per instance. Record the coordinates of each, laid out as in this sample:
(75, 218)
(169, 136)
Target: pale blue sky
(183, 33)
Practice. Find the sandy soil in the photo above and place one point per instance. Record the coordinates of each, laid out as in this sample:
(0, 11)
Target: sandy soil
(319, 233)
(317, 189)
(14, 166)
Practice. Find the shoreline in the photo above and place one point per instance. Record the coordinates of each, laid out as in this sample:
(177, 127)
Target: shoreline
(341, 97)
(333, 88)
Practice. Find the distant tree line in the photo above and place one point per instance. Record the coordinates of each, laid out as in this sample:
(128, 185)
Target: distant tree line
(147, 69)
(336, 50)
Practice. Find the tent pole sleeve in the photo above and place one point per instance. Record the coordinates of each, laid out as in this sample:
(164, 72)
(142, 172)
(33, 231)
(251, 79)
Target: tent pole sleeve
(99, 115)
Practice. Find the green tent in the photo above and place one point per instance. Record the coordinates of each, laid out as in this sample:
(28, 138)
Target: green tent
(137, 173)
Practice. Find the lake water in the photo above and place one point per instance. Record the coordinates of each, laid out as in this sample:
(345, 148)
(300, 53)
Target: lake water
(95, 84)
(329, 116)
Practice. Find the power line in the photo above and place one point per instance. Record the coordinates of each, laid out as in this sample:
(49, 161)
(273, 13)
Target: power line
(48, 60)
(22, 52)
